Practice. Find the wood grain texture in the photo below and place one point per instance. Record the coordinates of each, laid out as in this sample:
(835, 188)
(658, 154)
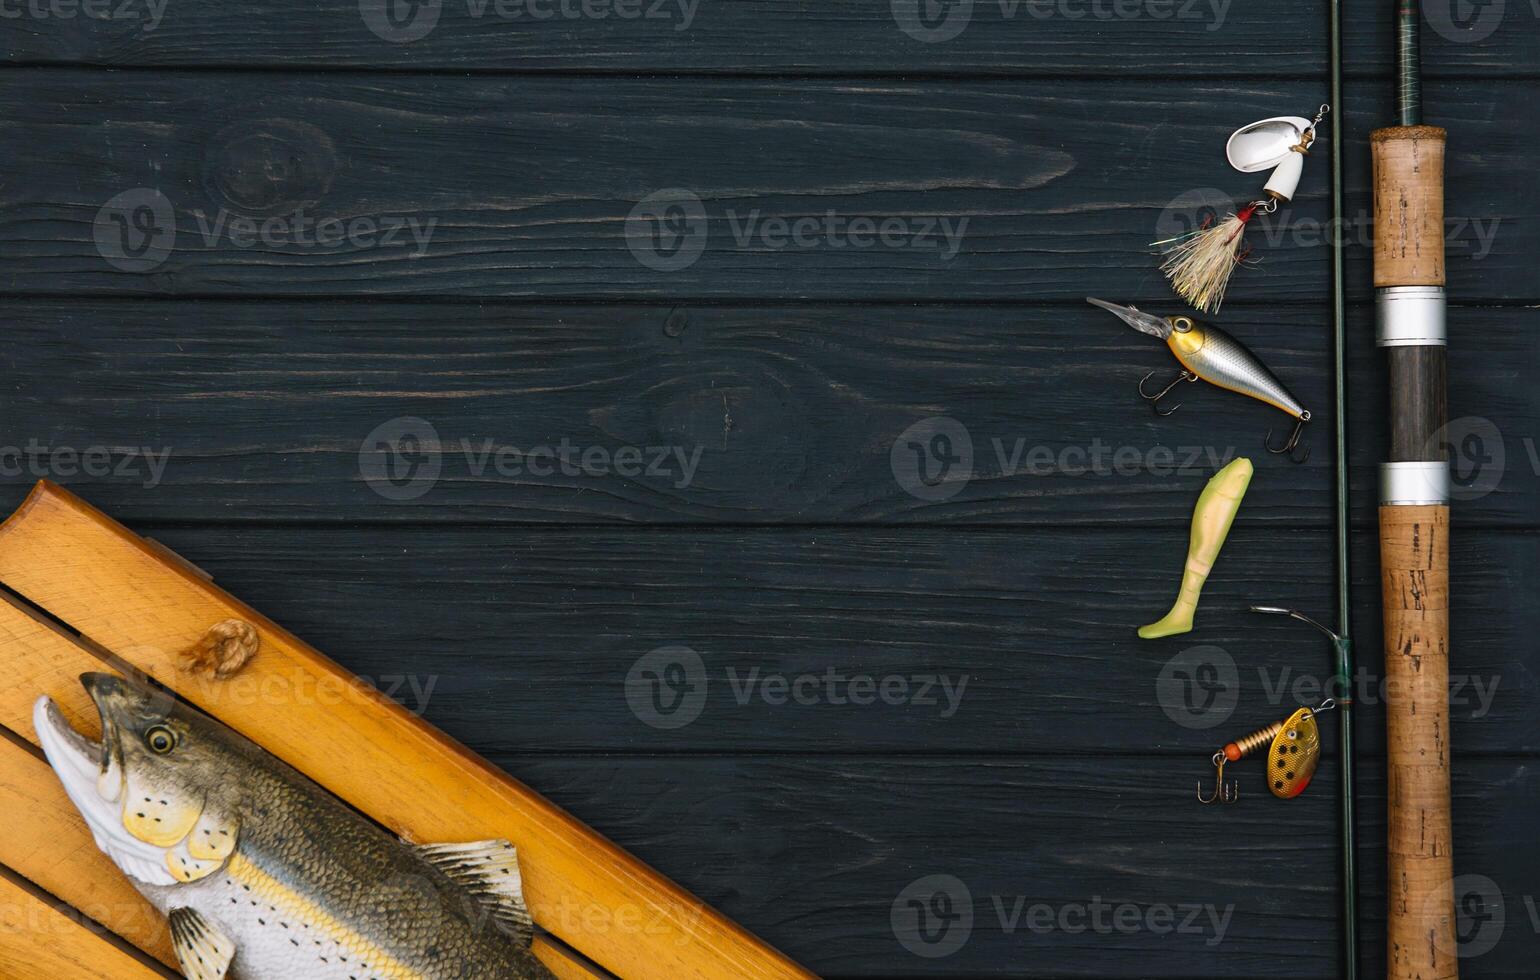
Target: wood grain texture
(528, 185)
(817, 850)
(1414, 570)
(245, 412)
(67, 558)
(1172, 40)
(1417, 412)
(39, 938)
(523, 628)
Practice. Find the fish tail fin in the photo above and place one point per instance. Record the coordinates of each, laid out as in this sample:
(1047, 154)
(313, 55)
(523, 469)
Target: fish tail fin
(489, 870)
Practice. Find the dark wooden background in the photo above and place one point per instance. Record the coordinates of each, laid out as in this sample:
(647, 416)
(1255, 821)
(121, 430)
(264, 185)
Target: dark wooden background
(525, 600)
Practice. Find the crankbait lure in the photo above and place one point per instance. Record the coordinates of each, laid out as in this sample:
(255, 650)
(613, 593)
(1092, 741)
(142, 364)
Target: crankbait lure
(1200, 263)
(1209, 353)
(1211, 520)
(1291, 760)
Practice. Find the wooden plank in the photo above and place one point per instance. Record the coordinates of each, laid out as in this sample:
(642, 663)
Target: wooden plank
(793, 412)
(39, 939)
(399, 770)
(526, 636)
(528, 185)
(815, 851)
(1170, 40)
(47, 842)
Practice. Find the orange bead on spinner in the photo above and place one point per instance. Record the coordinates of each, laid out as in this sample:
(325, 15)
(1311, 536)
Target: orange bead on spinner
(1295, 751)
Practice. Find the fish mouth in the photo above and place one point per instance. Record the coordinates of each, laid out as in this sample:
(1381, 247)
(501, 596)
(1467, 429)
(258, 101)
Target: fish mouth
(93, 777)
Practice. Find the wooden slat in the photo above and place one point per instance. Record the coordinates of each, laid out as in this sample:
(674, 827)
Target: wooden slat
(1171, 41)
(816, 849)
(794, 410)
(47, 842)
(38, 939)
(120, 592)
(529, 183)
(519, 631)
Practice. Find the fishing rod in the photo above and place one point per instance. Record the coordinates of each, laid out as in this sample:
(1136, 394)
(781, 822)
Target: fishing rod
(1342, 638)
(1414, 483)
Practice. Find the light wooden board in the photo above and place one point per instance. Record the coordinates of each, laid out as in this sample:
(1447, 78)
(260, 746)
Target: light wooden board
(144, 607)
(38, 939)
(47, 842)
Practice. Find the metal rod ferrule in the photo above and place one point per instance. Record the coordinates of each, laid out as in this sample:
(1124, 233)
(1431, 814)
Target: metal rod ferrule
(1414, 484)
(1411, 316)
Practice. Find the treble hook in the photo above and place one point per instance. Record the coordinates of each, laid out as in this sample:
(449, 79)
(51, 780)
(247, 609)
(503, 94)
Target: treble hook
(1154, 400)
(1223, 792)
(1292, 443)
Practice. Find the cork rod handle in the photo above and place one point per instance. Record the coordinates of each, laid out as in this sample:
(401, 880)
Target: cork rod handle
(1414, 571)
(1408, 206)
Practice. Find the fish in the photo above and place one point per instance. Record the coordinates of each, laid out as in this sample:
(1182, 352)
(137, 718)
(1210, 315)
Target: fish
(263, 874)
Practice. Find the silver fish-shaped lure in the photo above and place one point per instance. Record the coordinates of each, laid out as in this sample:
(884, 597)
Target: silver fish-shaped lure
(262, 873)
(1210, 354)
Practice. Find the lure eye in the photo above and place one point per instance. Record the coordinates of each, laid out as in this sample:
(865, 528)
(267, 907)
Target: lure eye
(160, 739)
(1182, 324)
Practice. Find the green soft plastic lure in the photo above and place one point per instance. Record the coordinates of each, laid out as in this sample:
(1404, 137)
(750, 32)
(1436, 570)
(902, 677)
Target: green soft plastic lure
(1211, 520)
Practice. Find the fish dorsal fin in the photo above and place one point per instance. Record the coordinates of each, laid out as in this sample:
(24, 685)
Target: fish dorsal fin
(489, 870)
(203, 951)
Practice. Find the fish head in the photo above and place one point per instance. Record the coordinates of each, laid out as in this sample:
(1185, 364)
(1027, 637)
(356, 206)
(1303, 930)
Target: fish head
(1156, 326)
(156, 790)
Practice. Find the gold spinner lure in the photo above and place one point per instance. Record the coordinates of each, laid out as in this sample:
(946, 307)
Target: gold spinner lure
(1291, 761)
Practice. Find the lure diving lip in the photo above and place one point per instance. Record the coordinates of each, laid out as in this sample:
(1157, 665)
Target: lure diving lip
(1210, 354)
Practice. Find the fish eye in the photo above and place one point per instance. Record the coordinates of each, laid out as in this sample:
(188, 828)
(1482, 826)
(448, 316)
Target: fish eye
(160, 739)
